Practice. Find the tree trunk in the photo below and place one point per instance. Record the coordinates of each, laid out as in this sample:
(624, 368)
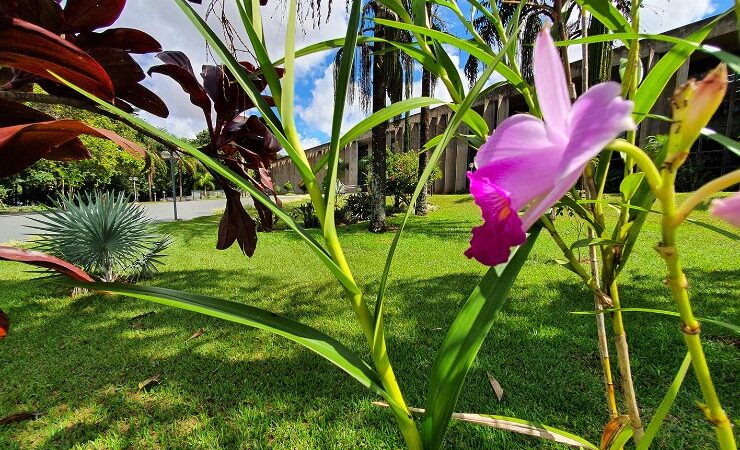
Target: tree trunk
(379, 163)
(180, 168)
(426, 90)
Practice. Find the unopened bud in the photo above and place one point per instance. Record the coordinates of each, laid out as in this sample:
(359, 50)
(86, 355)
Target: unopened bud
(694, 103)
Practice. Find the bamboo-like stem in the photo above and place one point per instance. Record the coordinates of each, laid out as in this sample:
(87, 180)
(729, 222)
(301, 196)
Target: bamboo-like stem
(588, 184)
(593, 262)
(625, 368)
(690, 327)
(716, 185)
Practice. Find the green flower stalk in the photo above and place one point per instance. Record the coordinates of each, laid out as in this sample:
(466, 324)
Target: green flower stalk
(694, 103)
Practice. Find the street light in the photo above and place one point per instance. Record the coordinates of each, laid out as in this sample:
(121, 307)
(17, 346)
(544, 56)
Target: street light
(171, 157)
(136, 193)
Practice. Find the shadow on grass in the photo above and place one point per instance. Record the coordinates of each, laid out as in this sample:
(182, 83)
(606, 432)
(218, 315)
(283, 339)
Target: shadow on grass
(233, 376)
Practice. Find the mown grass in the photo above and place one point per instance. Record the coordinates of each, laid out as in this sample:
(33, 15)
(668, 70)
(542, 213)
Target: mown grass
(79, 361)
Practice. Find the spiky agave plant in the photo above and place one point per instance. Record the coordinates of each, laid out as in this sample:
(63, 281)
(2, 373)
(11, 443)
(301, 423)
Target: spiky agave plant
(102, 233)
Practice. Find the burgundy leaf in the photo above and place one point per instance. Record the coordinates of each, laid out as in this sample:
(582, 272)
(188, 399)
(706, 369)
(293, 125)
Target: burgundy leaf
(119, 65)
(12, 113)
(23, 145)
(40, 259)
(179, 69)
(143, 98)
(236, 225)
(32, 49)
(88, 15)
(127, 39)
(44, 13)
(4, 324)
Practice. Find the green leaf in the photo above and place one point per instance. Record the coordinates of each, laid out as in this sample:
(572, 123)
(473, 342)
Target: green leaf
(314, 340)
(234, 178)
(732, 60)
(485, 55)
(629, 185)
(252, 24)
(593, 241)
(729, 143)
(657, 79)
(287, 101)
(665, 405)
(387, 113)
(729, 326)
(716, 229)
(447, 136)
(605, 12)
(464, 339)
(450, 68)
(340, 100)
(329, 44)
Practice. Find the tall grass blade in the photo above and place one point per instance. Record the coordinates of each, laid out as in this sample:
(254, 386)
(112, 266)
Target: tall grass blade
(665, 405)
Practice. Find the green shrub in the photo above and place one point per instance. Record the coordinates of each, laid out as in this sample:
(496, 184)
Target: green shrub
(288, 187)
(104, 234)
(402, 175)
(356, 207)
(307, 214)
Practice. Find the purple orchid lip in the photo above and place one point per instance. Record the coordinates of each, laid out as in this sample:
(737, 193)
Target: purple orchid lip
(530, 161)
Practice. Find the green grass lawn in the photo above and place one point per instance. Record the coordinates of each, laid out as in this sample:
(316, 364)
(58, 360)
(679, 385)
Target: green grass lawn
(80, 361)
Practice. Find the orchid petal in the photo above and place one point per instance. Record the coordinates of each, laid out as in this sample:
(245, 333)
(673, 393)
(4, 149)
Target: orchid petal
(727, 209)
(598, 117)
(514, 137)
(549, 82)
(529, 174)
(492, 241)
(558, 191)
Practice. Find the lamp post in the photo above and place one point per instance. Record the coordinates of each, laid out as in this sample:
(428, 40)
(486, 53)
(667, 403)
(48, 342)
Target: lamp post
(171, 157)
(136, 193)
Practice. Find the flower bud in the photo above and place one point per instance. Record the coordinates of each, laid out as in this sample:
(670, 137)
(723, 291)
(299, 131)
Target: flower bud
(694, 103)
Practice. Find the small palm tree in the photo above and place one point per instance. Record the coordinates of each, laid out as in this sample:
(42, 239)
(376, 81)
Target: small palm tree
(103, 234)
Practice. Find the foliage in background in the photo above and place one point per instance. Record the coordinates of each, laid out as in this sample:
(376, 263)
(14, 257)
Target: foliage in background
(104, 234)
(402, 176)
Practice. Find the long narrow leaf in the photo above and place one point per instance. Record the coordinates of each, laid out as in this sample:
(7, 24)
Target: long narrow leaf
(485, 55)
(729, 326)
(242, 77)
(234, 178)
(464, 339)
(340, 100)
(605, 12)
(449, 133)
(515, 425)
(665, 405)
(732, 60)
(657, 79)
(314, 340)
(260, 51)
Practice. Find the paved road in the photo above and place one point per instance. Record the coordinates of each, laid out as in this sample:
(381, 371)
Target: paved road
(15, 227)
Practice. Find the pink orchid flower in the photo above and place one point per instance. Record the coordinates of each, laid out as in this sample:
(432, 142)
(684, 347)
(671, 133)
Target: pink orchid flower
(528, 161)
(727, 209)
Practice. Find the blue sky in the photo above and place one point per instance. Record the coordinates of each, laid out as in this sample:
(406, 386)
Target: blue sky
(314, 97)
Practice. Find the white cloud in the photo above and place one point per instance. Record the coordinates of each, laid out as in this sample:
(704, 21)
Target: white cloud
(657, 16)
(320, 110)
(309, 142)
